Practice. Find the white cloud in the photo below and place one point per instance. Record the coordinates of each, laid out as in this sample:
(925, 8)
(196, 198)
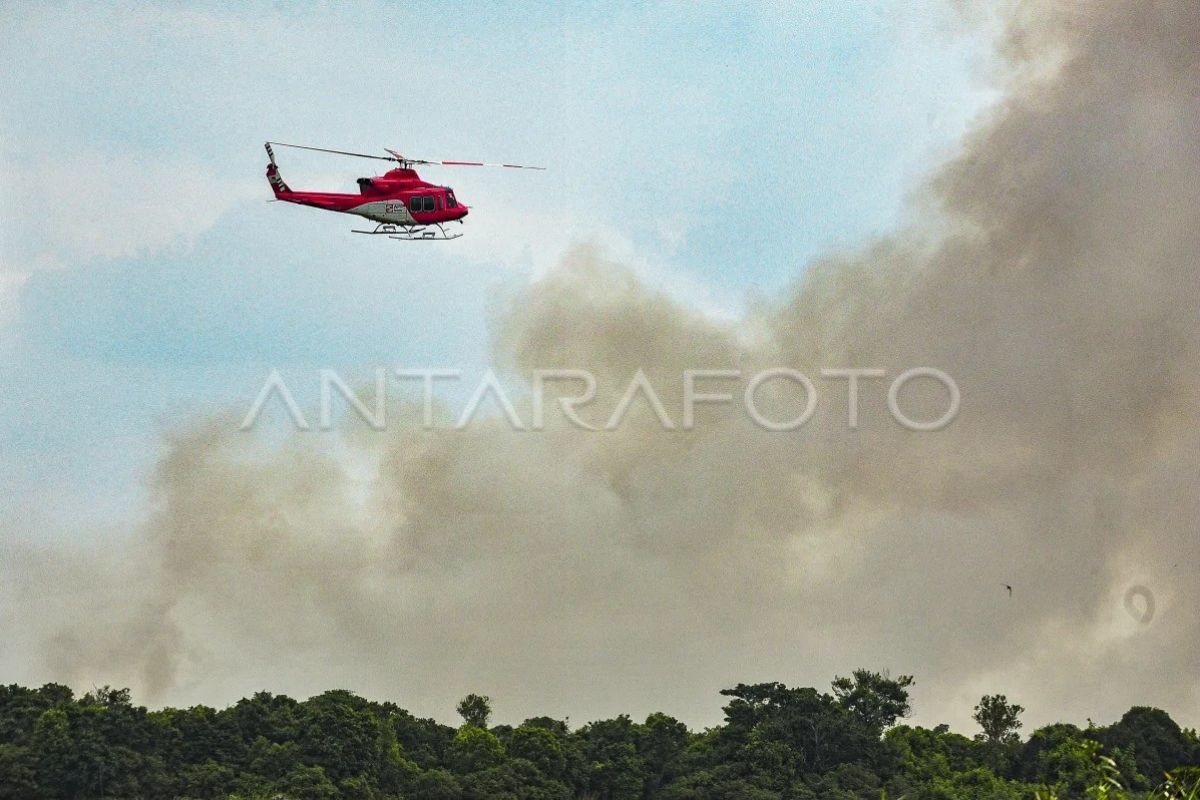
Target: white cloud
(64, 212)
(10, 293)
(73, 210)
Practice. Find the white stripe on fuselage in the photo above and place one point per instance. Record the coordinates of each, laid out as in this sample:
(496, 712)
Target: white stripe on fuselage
(393, 211)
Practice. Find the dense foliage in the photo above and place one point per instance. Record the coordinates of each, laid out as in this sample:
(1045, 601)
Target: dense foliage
(777, 743)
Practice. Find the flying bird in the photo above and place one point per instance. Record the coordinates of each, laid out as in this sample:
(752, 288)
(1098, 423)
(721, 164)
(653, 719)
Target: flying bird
(1006, 586)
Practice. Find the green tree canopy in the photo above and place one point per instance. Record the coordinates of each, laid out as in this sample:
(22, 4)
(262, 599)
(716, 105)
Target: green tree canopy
(776, 743)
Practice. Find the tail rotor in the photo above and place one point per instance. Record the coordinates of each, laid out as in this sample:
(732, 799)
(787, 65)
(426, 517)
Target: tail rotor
(273, 176)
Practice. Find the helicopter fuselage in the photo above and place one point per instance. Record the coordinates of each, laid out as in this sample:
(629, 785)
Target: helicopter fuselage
(398, 197)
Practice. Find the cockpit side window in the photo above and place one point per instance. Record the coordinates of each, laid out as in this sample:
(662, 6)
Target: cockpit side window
(450, 201)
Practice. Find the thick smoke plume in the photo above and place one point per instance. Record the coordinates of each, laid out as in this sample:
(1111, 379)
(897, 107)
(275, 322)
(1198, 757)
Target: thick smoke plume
(1053, 275)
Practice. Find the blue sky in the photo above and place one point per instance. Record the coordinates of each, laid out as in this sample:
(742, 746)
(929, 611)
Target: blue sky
(145, 280)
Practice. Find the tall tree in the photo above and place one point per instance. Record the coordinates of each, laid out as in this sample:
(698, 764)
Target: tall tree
(998, 718)
(475, 709)
(874, 698)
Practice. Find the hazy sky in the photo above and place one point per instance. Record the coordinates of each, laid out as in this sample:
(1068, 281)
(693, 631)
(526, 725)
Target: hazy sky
(708, 159)
(144, 278)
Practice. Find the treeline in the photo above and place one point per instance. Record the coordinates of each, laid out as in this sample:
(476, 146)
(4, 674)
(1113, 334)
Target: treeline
(777, 743)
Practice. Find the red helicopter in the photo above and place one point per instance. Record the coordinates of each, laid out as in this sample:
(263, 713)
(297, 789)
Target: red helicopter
(405, 206)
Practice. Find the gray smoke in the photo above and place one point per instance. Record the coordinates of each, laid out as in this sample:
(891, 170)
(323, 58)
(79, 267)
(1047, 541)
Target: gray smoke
(1052, 274)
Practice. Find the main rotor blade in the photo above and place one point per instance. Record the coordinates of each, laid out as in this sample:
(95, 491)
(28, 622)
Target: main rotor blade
(481, 164)
(338, 152)
(459, 163)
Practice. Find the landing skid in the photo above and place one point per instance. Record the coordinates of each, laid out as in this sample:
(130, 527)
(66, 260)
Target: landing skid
(435, 232)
